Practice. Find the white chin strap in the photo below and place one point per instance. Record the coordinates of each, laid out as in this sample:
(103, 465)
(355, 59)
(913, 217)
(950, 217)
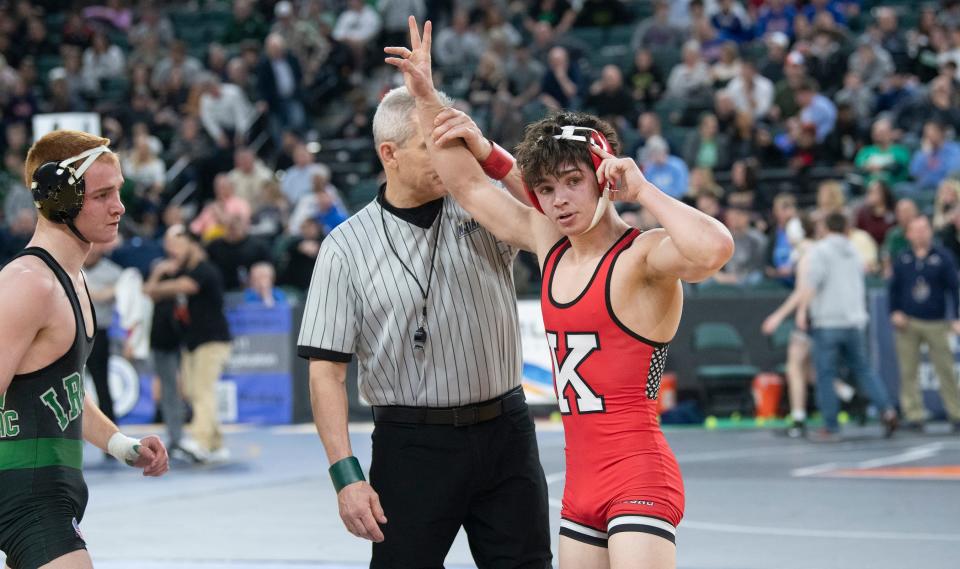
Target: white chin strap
(602, 206)
(569, 132)
(91, 157)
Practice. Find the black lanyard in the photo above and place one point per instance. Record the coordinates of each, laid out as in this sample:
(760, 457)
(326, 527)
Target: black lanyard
(420, 334)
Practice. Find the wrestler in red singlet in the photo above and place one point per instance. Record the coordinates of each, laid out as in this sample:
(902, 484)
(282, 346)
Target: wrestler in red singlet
(621, 473)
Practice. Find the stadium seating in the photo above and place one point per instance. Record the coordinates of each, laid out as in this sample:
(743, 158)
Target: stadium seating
(724, 376)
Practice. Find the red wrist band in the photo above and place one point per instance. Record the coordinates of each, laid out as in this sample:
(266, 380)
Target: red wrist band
(498, 164)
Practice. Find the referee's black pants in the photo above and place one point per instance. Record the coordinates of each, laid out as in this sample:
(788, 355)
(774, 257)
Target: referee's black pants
(487, 477)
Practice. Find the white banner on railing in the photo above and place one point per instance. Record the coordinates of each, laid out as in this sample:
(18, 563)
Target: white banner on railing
(49, 122)
(537, 367)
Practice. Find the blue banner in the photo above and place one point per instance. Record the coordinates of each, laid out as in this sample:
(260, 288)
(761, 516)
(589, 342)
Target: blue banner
(258, 374)
(249, 318)
(260, 398)
(131, 387)
(257, 382)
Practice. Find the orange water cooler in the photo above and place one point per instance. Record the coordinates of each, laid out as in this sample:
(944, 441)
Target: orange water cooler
(767, 389)
(668, 392)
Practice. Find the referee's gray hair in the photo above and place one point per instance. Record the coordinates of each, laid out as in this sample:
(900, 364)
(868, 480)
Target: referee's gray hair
(393, 121)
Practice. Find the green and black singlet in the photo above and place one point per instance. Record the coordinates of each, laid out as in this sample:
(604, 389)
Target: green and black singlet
(42, 491)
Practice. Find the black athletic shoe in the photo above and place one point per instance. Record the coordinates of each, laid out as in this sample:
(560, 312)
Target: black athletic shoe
(956, 427)
(796, 430)
(890, 423)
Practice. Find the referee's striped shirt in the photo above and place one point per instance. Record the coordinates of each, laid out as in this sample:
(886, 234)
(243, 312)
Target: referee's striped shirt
(361, 301)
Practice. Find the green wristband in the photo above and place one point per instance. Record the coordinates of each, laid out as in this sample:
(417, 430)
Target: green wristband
(346, 471)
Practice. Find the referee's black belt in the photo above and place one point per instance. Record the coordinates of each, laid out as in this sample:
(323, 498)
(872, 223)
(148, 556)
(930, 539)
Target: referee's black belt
(455, 416)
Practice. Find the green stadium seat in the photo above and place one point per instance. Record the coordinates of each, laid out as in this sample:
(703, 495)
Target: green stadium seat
(725, 374)
(192, 35)
(533, 112)
(119, 39)
(362, 193)
(590, 36)
(610, 55)
(676, 137)
(348, 144)
(216, 17)
(280, 246)
(55, 20)
(666, 59)
(343, 168)
(620, 36)
(781, 336)
(45, 63)
(754, 51)
(214, 32)
(716, 336)
(908, 19)
(711, 288)
(628, 139)
(215, 24)
(295, 296)
(185, 20)
(640, 9)
(924, 199)
(667, 107)
(768, 285)
(114, 89)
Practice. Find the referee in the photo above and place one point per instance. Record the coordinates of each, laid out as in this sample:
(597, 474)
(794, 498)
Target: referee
(424, 298)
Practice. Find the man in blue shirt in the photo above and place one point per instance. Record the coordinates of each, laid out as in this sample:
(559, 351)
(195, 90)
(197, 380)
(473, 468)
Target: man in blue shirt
(815, 7)
(775, 16)
(780, 258)
(816, 109)
(262, 291)
(669, 173)
(936, 158)
(923, 309)
(732, 26)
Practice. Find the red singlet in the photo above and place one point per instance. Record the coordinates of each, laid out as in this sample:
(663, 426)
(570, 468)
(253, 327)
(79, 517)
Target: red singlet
(621, 474)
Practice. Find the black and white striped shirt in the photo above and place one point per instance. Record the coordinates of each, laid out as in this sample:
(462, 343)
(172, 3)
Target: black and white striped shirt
(361, 301)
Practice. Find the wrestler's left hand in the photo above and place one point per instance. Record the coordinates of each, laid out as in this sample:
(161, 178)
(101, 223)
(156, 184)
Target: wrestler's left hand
(152, 457)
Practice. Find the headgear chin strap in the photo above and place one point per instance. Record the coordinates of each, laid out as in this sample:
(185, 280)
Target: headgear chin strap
(58, 188)
(594, 138)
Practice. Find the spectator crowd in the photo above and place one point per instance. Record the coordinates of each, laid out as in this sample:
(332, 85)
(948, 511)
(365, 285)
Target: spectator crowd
(250, 122)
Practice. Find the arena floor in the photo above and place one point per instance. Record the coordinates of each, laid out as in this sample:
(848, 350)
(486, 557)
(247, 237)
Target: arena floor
(754, 501)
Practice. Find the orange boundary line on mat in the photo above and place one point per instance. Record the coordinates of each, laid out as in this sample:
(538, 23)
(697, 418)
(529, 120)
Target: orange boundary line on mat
(946, 472)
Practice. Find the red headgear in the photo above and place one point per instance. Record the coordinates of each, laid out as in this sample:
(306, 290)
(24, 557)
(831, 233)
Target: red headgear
(580, 134)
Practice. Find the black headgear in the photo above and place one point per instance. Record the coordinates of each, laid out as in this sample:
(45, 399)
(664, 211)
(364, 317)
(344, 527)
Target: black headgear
(58, 188)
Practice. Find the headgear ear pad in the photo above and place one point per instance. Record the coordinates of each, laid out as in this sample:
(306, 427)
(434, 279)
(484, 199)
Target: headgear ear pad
(594, 137)
(58, 192)
(599, 140)
(58, 188)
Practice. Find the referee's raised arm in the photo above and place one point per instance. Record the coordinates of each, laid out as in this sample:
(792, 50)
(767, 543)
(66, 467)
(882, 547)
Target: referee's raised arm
(511, 220)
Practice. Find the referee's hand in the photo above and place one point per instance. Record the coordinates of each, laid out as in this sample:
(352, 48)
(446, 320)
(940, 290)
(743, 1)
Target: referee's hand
(361, 512)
